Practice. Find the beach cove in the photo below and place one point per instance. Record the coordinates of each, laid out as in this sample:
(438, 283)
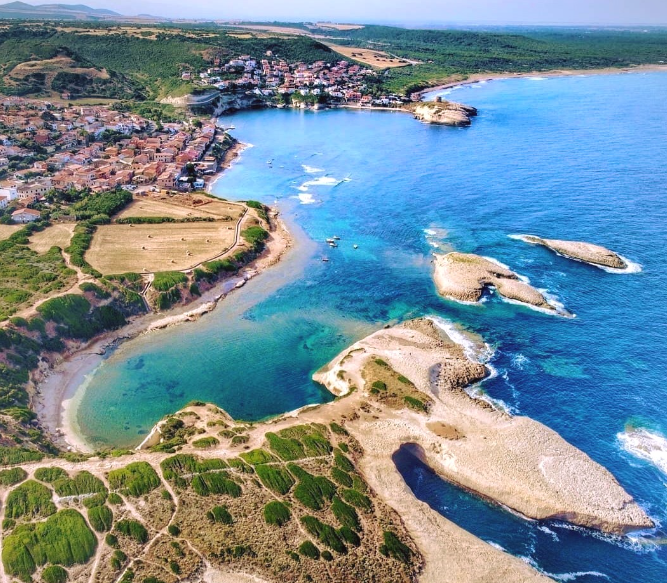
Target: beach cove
(255, 353)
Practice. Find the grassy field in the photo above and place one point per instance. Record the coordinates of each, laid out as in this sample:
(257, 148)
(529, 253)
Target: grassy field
(8, 230)
(161, 247)
(165, 208)
(377, 59)
(54, 236)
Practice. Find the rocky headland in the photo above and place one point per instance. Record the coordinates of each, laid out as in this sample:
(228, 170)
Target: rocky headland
(580, 251)
(464, 276)
(443, 112)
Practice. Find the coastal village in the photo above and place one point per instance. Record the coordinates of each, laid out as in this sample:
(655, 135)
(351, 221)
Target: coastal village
(49, 148)
(341, 82)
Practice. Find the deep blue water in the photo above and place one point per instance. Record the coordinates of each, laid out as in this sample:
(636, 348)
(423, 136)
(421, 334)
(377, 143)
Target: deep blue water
(581, 158)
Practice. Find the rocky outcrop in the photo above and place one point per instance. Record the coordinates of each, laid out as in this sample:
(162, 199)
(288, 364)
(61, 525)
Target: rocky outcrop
(514, 461)
(443, 112)
(581, 251)
(464, 276)
(216, 103)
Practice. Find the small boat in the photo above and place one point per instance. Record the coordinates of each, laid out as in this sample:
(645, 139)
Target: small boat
(336, 238)
(355, 246)
(333, 245)
(325, 259)
(331, 241)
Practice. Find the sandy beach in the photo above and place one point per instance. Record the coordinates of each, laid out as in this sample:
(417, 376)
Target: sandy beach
(58, 389)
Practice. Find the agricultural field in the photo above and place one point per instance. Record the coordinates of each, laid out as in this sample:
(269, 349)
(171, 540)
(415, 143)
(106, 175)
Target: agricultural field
(151, 207)
(377, 59)
(146, 248)
(8, 230)
(339, 26)
(54, 236)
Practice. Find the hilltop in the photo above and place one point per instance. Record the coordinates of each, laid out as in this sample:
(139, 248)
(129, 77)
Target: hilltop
(54, 11)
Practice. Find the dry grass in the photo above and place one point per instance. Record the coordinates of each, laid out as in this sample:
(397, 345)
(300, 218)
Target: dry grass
(7, 231)
(152, 207)
(163, 247)
(56, 235)
(377, 59)
(340, 26)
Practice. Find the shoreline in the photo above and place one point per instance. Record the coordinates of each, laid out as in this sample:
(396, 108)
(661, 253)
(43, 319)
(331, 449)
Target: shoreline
(475, 78)
(63, 384)
(228, 159)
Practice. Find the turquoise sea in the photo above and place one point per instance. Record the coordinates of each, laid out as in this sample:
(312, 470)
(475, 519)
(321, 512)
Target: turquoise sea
(578, 157)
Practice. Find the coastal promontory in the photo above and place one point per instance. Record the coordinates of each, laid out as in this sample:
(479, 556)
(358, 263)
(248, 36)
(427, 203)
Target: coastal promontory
(464, 277)
(580, 251)
(443, 112)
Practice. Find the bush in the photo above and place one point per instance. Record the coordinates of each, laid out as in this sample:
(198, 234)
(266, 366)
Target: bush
(286, 449)
(220, 514)
(415, 404)
(255, 237)
(114, 498)
(166, 280)
(30, 499)
(50, 475)
(312, 491)
(341, 477)
(54, 574)
(173, 530)
(258, 456)
(325, 533)
(133, 529)
(88, 287)
(275, 478)
(277, 513)
(338, 429)
(12, 477)
(100, 518)
(379, 386)
(327, 556)
(394, 548)
(308, 549)
(349, 536)
(62, 539)
(135, 479)
(83, 483)
(215, 483)
(345, 514)
(343, 463)
(205, 442)
(357, 499)
(17, 455)
(111, 540)
(173, 467)
(107, 203)
(217, 266)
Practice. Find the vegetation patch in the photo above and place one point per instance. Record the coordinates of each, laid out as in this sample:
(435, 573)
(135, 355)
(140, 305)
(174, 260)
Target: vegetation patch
(275, 478)
(258, 456)
(83, 483)
(50, 474)
(54, 574)
(312, 491)
(100, 518)
(31, 499)
(135, 479)
(63, 539)
(308, 549)
(276, 513)
(205, 442)
(215, 483)
(220, 514)
(325, 533)
(133, 529)
(345, 514)
(166, 280)
(357, 499)
(394, 548)
(12, 476)
(180, 464)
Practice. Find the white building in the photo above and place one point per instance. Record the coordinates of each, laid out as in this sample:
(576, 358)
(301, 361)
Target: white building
(25, 216)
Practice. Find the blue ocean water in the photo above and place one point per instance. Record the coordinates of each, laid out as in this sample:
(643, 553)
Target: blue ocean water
(579, 157)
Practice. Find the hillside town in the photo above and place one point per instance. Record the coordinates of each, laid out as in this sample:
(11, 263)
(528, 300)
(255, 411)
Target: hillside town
(45, 147)
(274, 78)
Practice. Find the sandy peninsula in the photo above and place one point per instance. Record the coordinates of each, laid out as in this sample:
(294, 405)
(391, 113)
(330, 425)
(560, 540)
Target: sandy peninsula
(581, 251)
(464, 277)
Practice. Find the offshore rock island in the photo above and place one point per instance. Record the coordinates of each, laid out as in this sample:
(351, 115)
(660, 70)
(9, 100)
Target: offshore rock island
(464, 277)
(580, 251)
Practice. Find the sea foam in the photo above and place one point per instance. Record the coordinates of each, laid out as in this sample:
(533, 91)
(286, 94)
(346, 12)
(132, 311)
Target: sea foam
(311, 169)
(647, 445)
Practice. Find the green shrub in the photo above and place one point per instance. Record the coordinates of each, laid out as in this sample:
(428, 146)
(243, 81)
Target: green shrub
(342, 462)
(62, 539)
(357, 499)
(100, 518)
(135, 479)
(276, 513)
(205, 442)
(165, 280)
(255, 237)
(344, 447)
(359, 484)
(325, 533)
(215, 483)
(173, 467)
(258, 456)
(30, 499)
(379, 385)
(312, 491)
(173, 530)
(394, 548)
(308, 549)
(133, 529)
(240, 439)
(12, 476)
(338, 429)
(341, 477)
(220, 514)
(111, 540)
(88, 287)
(349, 536)
(83, 483)
(286, 449)
(327, 556)
(217, 266)
(275, 478)
(50, 475)
(174, 567)
(17, 455)
(345, 514)
(117, 559)
(415, 404)
(54, 574)
(114, 498)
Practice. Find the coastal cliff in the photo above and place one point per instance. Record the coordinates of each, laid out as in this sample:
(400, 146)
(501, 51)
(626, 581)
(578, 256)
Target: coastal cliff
(580, 251)
(443, 113)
